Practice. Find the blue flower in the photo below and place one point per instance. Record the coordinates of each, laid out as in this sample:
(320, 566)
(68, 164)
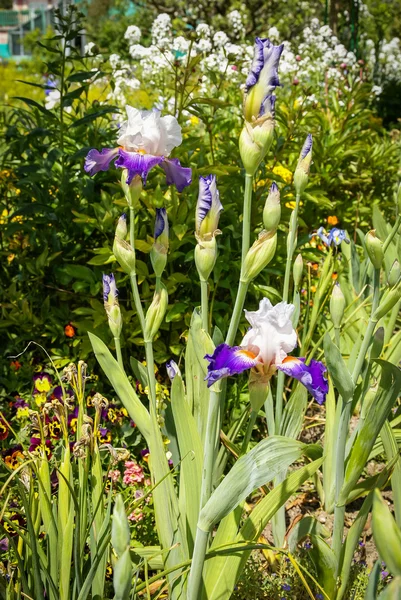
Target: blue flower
(334, 237)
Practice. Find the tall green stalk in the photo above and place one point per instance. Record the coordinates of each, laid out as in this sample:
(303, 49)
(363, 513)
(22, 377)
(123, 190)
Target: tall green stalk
(339, 511)
(204, 305)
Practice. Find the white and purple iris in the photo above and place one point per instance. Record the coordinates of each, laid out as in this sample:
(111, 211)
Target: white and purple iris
(110, 292)
(208, 208)
(334, 237)
(264, 349)
(262, 79)
(161, 223)
(146, 139)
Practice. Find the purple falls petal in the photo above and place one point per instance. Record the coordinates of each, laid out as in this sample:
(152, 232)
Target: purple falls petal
(176, 174)
(320, 233)
(226, 361)
(160, 221)
(336, 236)
(265, 55)
(96, 161)
(137, 164)
(311, 376)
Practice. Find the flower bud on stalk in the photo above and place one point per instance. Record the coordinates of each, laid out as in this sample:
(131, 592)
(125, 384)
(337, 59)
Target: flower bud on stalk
(122, 576)
(394, 274)
(272, 209)
(374, 249)
(158, 254)
(208, 209)
(304, 162)
(155, 313)
(133, 190)
(259, 255)
(125, 255)
(110, 297)
(337, 306)
(120, 533)
(257, 134)
(297, 271)
(389, 299)
(121, 229)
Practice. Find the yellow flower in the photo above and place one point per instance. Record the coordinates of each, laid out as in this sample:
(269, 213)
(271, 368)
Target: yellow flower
(332, 220)
(10, 258)
(291, 204)
(40, 398)
(3, 217)
(261, 183)
(194, 120)
(283, 173)
(17, 219)
(22, 412)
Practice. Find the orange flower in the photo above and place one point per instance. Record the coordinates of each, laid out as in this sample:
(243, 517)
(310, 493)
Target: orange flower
(69, 330)
(313, 289)
(15, 365)
(332, 220)
(334, 276)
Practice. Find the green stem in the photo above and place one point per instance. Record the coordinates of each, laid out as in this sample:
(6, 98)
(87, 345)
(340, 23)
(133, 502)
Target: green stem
(118, 352)
(246, 217)
(198, 559)
(291, 244)
(237, 312)
(150, 366)
(204, 305)
(209, 457)
(339, 511)
(337, 336)
(248, 432)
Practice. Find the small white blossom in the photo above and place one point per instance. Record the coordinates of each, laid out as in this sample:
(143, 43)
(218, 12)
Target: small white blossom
(88, 49)
(133, 34)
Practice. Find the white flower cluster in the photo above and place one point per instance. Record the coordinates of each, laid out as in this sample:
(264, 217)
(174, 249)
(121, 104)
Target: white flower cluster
(319, 60)
(89, 49)
(386, 63)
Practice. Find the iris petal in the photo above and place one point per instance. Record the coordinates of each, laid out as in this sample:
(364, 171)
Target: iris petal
(137, 164)
(176, 174)
(96, 161)
(227, 360)
(311, 376)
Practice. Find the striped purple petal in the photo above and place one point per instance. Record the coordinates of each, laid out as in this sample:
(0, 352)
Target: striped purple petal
(307, 147)
(176, 174)
(96, 161)
(109, 285)
(311, 376)
(265, 55)
(268, 105)
(208, 202)
(137, 164)
(160, 221)
(227, 360)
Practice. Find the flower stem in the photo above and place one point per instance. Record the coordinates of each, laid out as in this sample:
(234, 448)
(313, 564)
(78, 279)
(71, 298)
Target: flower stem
(248, 432)
(118, 352)
(246, 217)
(209, 458)
(291, 244)
(339, 511)
(236, 316)
(204, 305)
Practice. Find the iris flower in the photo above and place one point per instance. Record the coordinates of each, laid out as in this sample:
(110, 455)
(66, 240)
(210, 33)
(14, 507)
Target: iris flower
(145, 140)
(264, 349)
(334, 237)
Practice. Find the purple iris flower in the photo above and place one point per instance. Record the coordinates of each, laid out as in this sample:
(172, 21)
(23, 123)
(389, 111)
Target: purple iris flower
(172, 369)
(161, 222)
(334, 237)
(145, 140)
(109, 286)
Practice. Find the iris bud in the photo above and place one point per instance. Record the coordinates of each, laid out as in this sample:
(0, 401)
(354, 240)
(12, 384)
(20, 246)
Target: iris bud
(121, 229)
(297, 270)
(155, 313)
(120, 534)
(125, 255)
(304, 162)
(337, 306)
(389, 299)
(122, 576)
(132, 191)
(158, 254)
(374, 249)
(272, 209)
(255, 141)
(259, 255)
(112, 308)
(205, 257)
(394, 274)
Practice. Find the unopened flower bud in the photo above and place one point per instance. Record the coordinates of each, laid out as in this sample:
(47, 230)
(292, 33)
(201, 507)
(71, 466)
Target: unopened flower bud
(394, 274)
(337, 306)
(205, 257)
(389, 299)
(172, 369)
(374, 248)
(208, 209)
(158, 254)
(125, 255)
(155, 313)
(259, 255)
(110, 298)
(133, 190)
(122, 576)
(272, 209)
(303, 166)
(255, 141)
(121, 229)
(297, 271)
(120, 533)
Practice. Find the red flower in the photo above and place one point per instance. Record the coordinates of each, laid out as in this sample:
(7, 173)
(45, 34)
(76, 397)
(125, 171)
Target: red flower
(69, 330)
